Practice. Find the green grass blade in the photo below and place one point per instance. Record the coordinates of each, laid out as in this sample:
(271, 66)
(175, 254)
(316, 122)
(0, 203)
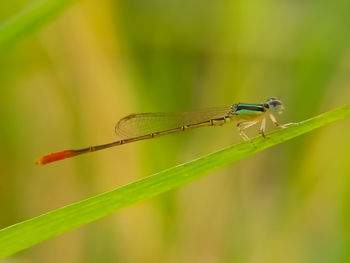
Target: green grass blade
(25, 234)
(28, 20)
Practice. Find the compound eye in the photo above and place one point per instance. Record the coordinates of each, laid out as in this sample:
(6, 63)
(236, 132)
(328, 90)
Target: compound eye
(275, 103)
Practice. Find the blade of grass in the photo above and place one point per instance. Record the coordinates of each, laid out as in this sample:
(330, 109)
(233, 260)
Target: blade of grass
(27, 233)
(28, 20)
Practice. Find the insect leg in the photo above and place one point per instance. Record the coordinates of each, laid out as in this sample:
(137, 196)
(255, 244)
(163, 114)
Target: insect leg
(263, 127)
(274, 121)
(244, 125)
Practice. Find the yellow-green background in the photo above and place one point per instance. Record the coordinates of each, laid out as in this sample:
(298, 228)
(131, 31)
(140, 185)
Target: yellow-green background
(65, 85)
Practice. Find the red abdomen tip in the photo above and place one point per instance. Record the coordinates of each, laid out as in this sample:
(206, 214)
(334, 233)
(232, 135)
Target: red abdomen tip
(55, 157)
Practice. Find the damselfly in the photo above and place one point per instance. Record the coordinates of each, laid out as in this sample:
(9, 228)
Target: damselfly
(136, 127)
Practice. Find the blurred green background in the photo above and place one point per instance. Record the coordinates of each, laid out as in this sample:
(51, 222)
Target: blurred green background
(65, 83)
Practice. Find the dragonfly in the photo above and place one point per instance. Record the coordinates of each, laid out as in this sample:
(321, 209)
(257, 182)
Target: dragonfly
(137, 127)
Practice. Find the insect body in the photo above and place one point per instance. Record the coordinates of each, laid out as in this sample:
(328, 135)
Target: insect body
(136, 127)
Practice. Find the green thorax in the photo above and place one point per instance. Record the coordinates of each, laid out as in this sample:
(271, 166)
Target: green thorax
(246, 108)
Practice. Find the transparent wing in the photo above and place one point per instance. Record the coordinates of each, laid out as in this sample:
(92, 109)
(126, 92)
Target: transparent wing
(135, 125)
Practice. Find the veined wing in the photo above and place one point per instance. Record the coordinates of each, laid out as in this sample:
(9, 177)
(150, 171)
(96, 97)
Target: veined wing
(135, 125)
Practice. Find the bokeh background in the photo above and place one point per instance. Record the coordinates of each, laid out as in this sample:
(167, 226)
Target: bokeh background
(65, 85)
